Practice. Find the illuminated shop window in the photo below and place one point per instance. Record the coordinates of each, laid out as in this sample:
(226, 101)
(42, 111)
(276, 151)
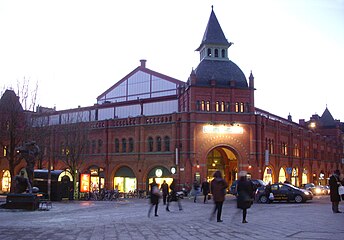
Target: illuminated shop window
(6, 181)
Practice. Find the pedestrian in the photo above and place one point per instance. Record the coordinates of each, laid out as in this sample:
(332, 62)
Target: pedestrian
(195, 189)
(173, 197)
(334, 194)
(154, 198)
(218, 188)
(165, 191)
(205, 188)
(268, 193)
(245, 191)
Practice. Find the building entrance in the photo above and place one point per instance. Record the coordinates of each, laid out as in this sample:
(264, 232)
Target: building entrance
(225, 160)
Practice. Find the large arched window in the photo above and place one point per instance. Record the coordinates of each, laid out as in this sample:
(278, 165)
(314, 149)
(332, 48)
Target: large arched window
(150, 144)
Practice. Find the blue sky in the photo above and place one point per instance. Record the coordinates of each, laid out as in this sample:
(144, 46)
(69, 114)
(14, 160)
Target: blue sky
(76, 49)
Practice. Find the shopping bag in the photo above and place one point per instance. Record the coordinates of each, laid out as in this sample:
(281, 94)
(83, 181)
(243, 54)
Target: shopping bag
(341, 190)
(271, 196)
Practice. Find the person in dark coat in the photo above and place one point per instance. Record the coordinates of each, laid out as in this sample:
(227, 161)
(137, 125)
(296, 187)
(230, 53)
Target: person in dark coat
(154, 197)
(334, 195)
(165, 191)
(245, 191)
(173, 196)
(218, 188)
(195, 189)
(205, 188)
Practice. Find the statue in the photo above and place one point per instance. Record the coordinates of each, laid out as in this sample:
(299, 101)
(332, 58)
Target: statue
(22, 183)
(29, 151)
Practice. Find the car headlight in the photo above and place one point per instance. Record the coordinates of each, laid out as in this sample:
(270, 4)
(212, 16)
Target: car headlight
(307, 193)
(318, 190)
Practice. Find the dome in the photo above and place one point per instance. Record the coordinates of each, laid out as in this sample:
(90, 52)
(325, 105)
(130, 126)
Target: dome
(223, 72)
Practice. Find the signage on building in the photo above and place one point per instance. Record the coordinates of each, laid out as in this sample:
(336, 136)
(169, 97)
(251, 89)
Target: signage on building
(158, 172)
(223, 129)
(173, 170)
(85, 182)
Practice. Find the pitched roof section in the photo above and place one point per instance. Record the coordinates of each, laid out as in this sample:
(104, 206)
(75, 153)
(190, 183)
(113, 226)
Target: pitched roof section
(140, 83)
(327, 120)
(9, 102)
(213, 33)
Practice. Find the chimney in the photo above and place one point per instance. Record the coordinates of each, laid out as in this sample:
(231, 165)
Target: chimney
(143, 63)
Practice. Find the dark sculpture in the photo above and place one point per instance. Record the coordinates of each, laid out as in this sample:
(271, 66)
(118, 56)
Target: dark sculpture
(29, 151)
(22, 183)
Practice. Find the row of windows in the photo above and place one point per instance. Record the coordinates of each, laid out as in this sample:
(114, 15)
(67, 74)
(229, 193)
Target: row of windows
(214, 52)
(296, 150)
(122, 145)
(221, 106)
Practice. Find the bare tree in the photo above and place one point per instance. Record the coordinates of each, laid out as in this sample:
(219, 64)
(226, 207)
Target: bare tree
(13, 122)
(12, 125)
(73, 139)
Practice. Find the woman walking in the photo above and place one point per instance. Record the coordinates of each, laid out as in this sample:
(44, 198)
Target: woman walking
(245, 191)
(218, 189)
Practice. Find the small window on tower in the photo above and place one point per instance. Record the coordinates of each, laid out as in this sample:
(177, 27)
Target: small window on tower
(216, 53)
(209, 52)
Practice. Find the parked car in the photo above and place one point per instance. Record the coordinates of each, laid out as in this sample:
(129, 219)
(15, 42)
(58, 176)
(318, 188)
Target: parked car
(256, 182)
(309, 186)
(284, 192)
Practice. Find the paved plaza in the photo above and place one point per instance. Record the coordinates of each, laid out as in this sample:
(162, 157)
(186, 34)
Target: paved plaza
(127, 219)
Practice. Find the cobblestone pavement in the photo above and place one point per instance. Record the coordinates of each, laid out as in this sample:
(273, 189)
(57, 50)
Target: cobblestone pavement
(127, 219)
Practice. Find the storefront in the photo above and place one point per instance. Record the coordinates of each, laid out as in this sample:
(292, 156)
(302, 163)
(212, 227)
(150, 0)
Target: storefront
(125, 180)
(97, 178)
(160, 174)
(6, 181)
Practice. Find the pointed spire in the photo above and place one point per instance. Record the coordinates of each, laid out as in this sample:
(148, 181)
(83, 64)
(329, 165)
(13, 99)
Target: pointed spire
(213, 33)
(327, 119)
(251, 78)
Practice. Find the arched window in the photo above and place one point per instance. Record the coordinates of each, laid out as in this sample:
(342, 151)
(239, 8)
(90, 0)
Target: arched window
(203, 105)
(167, 143)
(158, 144)
(100, 145)
(223, 53)
(198, 105)
(217, 106)
(228, 107)
(216, 53)
(209, 52)
(124, 145)
(208, 106)
(116, 145)
(131, 144)
(150, 144)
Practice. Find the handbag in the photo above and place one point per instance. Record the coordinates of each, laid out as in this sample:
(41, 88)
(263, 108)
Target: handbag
(341, 190)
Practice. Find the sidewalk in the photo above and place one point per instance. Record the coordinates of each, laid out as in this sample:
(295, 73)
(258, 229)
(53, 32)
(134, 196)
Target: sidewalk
(127, 219)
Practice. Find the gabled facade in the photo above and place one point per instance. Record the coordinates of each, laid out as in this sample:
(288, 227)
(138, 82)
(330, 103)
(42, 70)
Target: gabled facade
(149, 125)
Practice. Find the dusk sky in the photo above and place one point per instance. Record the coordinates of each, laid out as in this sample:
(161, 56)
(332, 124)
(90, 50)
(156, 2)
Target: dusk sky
(77, 49)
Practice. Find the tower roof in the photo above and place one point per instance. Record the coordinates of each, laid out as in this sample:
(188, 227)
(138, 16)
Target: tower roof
(327, 120)
(213, 33)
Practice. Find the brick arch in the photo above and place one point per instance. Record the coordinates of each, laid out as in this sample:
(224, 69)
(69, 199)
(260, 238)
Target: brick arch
(223, 141)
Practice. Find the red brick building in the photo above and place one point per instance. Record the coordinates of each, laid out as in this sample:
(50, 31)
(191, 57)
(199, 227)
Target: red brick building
(152, 125)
